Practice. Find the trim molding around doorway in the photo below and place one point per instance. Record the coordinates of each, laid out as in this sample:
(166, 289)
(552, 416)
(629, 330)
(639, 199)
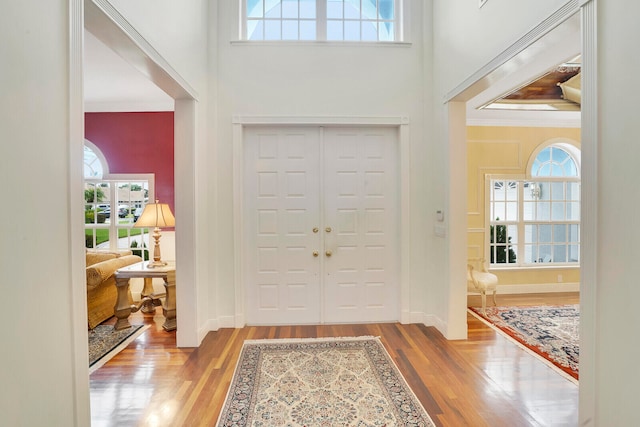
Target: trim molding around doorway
(401, 122)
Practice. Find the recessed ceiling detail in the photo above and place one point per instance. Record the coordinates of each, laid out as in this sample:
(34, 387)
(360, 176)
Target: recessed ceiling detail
(556, 90)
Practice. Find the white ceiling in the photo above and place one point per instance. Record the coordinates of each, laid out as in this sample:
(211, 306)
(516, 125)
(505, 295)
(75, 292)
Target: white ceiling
(112, 84)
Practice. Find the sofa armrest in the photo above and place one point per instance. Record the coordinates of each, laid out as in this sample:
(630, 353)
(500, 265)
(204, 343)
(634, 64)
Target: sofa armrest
(98, 273)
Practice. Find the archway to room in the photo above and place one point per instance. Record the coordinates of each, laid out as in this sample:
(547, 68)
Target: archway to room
(553, 31)
(100, 20)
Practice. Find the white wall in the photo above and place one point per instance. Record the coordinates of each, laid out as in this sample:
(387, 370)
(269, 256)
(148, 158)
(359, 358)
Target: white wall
(323, 79)
(37, 357)
(467, 37)
(616, 317)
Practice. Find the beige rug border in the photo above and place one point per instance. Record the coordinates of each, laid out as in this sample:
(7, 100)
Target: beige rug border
(524, 347)
(320, 339)
(117, 349)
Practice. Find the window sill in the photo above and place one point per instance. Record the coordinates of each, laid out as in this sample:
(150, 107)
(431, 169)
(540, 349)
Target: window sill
(321, 43)
(535, 267)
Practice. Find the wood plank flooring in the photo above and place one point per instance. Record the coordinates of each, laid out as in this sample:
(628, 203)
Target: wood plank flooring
(485, 380)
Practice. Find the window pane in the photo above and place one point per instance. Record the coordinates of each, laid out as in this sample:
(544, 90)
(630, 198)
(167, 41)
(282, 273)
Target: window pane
(530, 254)
(574, 253)
(570, 168)
(544, 233)
(369, 31)
(560, 253)
(573, 191)
(544, 253)
(334, 9)
(272, 30)
(273, 9)
(557, 190)
(386, 32)
(529, 211)
(352, 30)
(530, 233)
(557, 211)
(573, 211)
(512, 233)
(512, 211)
(559, 233)
(307, 30)
(254, 30)
(290, 9)
(334, 30)
(289, 30)
(544, 192)
(498, 212)
(543, 211)
(351, 11)
(574, 235)
(386, 9)
(255, 8)
(308, 9)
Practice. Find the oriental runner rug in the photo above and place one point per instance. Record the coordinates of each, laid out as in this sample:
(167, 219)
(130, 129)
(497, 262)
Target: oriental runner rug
(105, 342)
(319, 382)
(550, 332)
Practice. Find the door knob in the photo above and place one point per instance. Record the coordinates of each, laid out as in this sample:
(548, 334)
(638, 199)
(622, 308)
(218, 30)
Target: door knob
(328, 253)
(315, 229)
(315, 253)
(328, 229)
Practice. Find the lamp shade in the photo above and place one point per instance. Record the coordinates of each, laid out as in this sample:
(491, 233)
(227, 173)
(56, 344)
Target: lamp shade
(156, 215)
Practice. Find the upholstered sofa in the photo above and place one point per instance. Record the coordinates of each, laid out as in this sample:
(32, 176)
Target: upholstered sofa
(101, 282)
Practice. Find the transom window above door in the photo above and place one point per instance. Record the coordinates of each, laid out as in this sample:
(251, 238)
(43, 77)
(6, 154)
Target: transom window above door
(322, 20)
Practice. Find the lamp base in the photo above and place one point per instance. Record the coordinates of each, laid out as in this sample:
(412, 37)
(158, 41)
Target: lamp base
(155, 264)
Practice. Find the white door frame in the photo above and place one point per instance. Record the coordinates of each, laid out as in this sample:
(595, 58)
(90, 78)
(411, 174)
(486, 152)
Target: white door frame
(240, 122)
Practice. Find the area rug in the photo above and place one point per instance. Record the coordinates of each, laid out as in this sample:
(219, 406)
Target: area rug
(105, 342)
(319, 382)
(551, 332)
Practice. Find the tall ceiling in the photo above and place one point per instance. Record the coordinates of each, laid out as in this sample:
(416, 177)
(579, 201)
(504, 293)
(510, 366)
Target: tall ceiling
(112, 84)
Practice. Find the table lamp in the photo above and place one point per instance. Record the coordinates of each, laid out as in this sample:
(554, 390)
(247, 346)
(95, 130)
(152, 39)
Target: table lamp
(156, 215)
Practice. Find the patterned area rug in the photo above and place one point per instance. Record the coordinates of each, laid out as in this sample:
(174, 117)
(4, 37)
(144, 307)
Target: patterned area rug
(319, 382)
(551, 332)
(105, 342)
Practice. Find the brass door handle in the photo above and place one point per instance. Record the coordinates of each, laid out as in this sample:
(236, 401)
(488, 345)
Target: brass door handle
(315, 229)
(315, 253)
(328, 229)
(328, 253)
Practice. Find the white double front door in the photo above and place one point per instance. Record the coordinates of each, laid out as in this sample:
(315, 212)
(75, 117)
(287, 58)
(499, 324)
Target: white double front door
(320, 236)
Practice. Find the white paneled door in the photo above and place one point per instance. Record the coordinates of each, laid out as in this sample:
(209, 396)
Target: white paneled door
(321, 228)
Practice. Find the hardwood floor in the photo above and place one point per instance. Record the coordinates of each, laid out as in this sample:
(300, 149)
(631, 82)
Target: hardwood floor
(485, 380)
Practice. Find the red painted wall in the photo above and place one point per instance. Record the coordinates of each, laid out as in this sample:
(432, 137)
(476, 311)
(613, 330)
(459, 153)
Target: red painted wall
(136, 143)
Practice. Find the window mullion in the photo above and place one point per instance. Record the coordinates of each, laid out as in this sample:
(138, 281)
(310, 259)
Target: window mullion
(321, 20)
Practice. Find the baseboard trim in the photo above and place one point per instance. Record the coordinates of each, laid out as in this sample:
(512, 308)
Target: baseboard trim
(539, 288)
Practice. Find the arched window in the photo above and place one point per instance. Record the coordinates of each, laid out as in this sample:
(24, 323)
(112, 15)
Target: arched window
(537, 220)
(95, 164)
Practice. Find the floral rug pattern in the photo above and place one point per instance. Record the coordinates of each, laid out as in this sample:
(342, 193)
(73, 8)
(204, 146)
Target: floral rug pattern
(549, 331)
(319, 382)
